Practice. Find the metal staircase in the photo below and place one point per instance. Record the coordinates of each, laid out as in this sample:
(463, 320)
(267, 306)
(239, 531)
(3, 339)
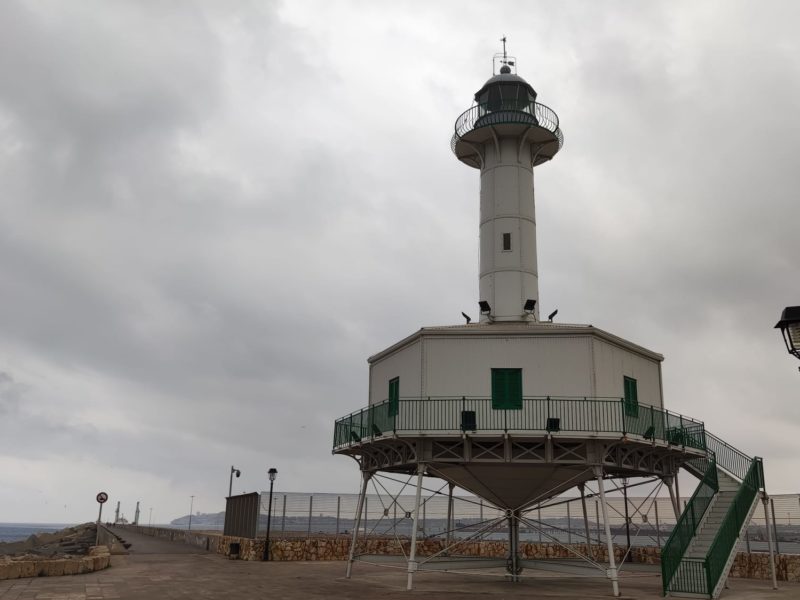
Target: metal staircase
(697, 557)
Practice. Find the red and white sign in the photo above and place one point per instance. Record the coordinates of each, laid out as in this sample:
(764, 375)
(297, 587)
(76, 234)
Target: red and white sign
(102, 497)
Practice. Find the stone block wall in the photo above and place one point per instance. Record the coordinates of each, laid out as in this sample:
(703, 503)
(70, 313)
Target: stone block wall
(35, 566)
(752, 566)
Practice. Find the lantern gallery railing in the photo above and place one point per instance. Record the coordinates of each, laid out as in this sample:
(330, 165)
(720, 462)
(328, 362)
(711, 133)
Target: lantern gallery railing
(526, 113)
(558, 415)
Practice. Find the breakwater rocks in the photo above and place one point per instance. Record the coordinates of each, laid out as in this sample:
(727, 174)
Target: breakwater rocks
(73, 541)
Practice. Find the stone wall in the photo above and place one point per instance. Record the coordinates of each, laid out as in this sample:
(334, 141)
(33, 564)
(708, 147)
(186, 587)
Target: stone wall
(36, 566)
(753, 566)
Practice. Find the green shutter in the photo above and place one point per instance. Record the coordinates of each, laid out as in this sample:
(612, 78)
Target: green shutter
(507, 389)
(394, 397)
(631, 397)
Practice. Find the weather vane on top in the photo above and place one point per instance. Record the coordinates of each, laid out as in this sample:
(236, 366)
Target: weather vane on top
(504, 60)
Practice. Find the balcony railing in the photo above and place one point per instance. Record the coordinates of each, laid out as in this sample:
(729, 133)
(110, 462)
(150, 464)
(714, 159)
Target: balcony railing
(557, 415)
(532, 113)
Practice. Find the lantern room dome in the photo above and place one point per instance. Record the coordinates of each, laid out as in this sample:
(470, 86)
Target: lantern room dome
(505, 87)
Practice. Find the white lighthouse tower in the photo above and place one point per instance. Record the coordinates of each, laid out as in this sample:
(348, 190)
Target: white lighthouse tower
(505, 135)
(517, 410)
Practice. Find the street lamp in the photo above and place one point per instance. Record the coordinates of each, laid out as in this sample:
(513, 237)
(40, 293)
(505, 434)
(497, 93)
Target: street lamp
(272, 473)
(237, 472)
(790, 328)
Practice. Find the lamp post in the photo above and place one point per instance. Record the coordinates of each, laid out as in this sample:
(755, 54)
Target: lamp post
(273, 473)
(234, 471)
(790, 329)
(191, 507)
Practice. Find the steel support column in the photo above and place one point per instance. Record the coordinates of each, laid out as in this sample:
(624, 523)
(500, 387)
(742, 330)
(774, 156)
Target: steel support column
(365, 476)
(513, 544)
(589, 551)
(412, 555)
(449, 517)
(612, 567)
(765, 500)
(676, 509)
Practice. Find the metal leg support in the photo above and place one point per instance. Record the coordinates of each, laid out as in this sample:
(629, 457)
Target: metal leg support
(365, 480)
(412, 555)
(765, 500)
(449, 516)
(672, 499)
(581, 487)
(612, 567)
(513, 567)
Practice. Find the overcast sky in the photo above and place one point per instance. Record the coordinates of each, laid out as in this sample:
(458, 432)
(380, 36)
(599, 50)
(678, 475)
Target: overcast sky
(212, 213)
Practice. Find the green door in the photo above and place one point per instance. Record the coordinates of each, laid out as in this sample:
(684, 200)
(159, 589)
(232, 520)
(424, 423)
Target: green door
(507, 389)
(631, 397)
(394, 396)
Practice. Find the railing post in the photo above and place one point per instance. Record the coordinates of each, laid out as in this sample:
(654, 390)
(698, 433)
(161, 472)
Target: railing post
(624, 424)
(547, 419)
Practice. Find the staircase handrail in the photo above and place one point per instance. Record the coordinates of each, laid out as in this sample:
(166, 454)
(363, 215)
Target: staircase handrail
(728, 533)
(728, 458)
(690, 519)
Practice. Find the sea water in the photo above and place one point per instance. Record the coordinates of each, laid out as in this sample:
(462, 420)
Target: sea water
(16, 532)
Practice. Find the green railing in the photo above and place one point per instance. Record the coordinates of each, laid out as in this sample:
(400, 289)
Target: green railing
(678, 573)
(734, 461)
(702, 575)
(543, 414)
(728, 532)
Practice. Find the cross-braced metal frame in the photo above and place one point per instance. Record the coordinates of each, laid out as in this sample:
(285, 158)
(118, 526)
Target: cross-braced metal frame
(591, 464)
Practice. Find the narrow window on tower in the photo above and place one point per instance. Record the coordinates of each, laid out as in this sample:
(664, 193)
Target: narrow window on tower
(506, 242)
(507, 389)
(631, 397)
(394, 397)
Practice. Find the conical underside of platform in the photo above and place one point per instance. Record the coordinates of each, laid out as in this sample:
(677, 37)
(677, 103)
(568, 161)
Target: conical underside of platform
(513, 486)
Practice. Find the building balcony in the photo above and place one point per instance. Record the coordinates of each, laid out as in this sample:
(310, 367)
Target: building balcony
(536, 417)
(478, 123)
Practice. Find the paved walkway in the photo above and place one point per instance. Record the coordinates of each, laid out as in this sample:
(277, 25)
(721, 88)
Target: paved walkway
(157, 570)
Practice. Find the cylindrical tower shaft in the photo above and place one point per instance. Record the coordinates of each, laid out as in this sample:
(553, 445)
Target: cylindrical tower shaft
(505, 134)
(508, 267)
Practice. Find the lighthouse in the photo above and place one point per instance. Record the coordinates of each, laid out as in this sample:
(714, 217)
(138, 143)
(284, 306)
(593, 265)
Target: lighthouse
(518, 410)
(505, 134)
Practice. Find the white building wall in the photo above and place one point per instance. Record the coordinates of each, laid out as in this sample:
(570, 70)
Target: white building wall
(612, 363)
(562, 365)
(461, 366)
(406, 364)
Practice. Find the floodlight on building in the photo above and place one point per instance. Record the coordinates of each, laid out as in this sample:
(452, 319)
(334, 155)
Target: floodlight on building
(530, 304)
(551, 315)
(790, 329)
(238, 473)
(467, 317)
(485, 308)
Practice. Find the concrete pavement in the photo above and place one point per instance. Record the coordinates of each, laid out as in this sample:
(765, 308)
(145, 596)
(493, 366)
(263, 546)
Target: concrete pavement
(158, 569)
